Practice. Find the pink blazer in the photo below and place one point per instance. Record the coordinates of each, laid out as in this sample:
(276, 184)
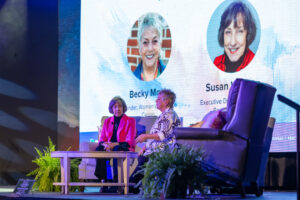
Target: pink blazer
(126, 131)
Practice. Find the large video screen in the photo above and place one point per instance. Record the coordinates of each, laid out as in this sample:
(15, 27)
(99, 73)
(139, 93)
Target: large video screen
(197, 48)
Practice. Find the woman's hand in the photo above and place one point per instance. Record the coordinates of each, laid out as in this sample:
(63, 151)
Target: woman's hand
(108, 146)
(141, 138)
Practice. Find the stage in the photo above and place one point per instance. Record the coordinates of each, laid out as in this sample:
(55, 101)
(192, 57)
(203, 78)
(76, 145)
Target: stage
(6, 192)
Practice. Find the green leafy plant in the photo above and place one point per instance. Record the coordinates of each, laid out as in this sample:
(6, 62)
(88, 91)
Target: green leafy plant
(48, 170)
(171, 171)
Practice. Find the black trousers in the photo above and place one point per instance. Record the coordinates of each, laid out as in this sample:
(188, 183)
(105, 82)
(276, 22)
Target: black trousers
(136, 177)
(101, 168)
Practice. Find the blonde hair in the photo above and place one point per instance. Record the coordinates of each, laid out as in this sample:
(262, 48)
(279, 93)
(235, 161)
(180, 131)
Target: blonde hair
(169, 94)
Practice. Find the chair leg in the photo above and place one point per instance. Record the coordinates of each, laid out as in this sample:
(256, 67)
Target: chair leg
(256, 189)
(259, 191)
(81, 188)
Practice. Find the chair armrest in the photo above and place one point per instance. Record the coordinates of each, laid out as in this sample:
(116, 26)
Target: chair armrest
(198, 133)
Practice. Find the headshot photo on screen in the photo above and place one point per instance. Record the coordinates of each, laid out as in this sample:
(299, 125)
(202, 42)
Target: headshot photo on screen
(149, 47)
(238, 28)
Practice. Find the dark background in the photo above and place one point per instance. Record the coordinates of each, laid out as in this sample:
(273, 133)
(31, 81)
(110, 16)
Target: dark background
(29, 73)
(39, 88)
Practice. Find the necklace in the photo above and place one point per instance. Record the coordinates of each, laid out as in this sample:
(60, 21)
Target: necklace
(157, 72)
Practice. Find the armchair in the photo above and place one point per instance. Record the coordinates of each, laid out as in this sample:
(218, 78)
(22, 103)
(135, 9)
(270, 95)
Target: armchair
(236, 154)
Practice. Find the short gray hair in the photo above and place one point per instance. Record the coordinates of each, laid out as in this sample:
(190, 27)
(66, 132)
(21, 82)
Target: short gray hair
(151, 20)
(169, 94)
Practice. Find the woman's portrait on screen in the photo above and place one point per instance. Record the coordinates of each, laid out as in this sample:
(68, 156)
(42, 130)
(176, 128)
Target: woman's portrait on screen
(149, 47)
(237, 30)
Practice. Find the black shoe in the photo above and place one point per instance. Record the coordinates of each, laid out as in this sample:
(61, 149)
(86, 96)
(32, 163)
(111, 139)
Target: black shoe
(113, 189)
(104, 189)
(120, 190)
(109, 189)
(134, 190)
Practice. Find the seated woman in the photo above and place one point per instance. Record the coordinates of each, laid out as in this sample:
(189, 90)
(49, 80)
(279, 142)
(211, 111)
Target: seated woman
(236, 32)
(161, 133)
(118, 134)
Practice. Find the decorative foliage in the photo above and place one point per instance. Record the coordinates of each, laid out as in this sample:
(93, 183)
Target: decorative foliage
(171, 171)
(48, 170)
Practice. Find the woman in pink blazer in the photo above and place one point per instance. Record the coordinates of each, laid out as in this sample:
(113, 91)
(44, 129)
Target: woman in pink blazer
(118, 134)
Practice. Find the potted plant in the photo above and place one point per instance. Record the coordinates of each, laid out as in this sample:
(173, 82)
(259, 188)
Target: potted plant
(48, 170)
(171, 171)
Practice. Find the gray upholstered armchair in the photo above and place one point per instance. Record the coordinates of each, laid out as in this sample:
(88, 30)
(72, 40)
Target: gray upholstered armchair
(236, 154)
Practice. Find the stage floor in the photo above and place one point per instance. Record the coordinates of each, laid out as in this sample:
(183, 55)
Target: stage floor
(6, 192)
